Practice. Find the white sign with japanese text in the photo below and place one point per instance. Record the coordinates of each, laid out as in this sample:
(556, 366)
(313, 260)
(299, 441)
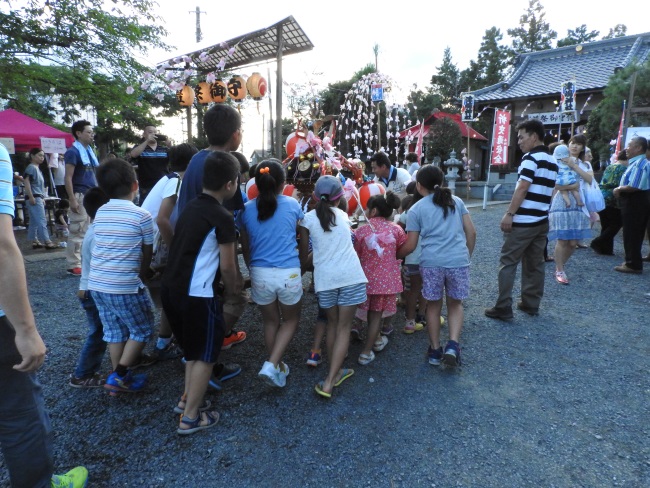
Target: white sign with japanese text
(52, 145)
(554, 118)
(8, 142)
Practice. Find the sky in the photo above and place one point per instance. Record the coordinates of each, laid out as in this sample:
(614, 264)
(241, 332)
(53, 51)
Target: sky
(412, 36)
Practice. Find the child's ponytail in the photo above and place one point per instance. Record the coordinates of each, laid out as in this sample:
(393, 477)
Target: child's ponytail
(327, 191)
(269, 178)
(430, 177)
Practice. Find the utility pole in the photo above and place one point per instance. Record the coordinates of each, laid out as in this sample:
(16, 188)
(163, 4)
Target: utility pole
(199, 108)
(198, 13)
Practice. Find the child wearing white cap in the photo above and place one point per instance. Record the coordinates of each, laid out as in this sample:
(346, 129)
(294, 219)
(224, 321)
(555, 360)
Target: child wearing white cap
(567, 177)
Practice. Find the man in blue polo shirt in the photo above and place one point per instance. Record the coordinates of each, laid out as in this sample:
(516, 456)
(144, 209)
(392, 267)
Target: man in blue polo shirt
(80, 165)
(634, 197)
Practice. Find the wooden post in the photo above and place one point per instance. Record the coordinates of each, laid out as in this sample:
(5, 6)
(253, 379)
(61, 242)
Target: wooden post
(278, 98)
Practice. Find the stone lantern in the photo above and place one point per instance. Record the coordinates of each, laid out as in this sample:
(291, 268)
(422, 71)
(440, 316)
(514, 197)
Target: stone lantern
(452, 165)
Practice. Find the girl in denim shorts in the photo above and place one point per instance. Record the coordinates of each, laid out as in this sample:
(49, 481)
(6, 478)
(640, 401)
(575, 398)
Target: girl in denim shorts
(268, 234)
(341, 286)
(447, 236)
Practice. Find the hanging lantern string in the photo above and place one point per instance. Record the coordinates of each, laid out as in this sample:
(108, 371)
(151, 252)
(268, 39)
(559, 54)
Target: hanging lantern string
(522, 113)
(586, 103)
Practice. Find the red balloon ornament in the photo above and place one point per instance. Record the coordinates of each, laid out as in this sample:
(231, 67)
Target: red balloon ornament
(252, 192)
(368, 190)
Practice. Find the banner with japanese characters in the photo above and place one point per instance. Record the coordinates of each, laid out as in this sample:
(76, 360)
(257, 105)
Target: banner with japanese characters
(467, 108)
(568, 96)
(554, 118)
(500, 137)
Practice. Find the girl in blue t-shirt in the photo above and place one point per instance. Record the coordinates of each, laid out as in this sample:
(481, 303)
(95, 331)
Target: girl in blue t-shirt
(268, 227)
(447, 237)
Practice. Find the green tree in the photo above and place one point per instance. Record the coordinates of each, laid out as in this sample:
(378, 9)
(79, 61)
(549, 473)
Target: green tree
(446, 83)
(604, 120)
(69, 54)
(492, 58)
(533, 33)
(578, 36)
(422, 103)
(619, 30)
(332, 97)
(443, 137)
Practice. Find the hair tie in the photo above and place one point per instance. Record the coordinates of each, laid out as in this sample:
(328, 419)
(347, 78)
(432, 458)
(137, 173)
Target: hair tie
(436, 187)
(264, 170)
(324, 198)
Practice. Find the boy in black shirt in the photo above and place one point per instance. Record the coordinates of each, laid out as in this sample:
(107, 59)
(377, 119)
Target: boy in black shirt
(203, 252)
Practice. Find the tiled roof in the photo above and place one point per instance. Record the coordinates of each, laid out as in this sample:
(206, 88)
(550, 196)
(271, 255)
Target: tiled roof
(543, 72)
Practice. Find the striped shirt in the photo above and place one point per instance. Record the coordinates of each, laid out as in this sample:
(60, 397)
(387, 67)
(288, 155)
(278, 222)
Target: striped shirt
(540, 169)
(6, 189)
(6, 183)
(637, 174)
(121, 228)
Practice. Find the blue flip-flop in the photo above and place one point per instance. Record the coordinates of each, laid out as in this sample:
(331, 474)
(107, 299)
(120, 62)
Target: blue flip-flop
(345, 374)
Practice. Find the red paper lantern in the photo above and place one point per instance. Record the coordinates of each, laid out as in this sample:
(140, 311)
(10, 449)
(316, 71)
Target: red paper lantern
(237, 88)
(203, 94)
(368, 190)
(185, 96)
(219, 91)
(256, 86)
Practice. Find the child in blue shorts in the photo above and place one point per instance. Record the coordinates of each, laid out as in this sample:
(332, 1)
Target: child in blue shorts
(204, 249)
(447, 236)
(119, 263)
(86, 374)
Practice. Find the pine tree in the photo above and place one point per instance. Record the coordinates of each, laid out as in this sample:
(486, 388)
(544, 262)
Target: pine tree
(578, 36)
(533, 33)
(492, 57)
(447, 82)
(619, 30)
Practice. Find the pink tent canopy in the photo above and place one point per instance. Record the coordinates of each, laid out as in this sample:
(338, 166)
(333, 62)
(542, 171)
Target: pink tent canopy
(27, 132)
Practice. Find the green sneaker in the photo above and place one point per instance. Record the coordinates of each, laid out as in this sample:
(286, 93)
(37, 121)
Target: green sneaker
(75, 478)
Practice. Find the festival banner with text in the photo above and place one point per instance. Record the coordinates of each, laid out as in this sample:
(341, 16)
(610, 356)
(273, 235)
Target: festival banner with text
(500, 138)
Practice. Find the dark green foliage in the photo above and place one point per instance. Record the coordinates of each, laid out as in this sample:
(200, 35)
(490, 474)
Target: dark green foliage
(603, 123)
(578, 36)
(443, 137)
(533, 33)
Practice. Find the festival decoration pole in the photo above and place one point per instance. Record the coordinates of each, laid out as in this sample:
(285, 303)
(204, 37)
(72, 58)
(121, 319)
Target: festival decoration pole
(620, 131)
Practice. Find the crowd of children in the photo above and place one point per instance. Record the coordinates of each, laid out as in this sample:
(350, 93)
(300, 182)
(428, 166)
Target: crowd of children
(199, 273)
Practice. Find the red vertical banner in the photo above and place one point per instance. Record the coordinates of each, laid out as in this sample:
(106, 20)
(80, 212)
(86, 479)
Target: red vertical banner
(500, 138)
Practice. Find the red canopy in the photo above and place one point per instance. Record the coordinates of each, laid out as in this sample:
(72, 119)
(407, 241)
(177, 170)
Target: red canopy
(464, 128)
(27, 132)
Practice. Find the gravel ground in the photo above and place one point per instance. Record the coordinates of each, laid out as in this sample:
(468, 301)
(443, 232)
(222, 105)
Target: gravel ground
(558, 400)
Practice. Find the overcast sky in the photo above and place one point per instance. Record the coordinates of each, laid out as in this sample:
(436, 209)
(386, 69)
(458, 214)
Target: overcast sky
(411, 35)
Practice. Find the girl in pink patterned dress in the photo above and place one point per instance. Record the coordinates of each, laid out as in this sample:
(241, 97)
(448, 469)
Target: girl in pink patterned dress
(377, 244)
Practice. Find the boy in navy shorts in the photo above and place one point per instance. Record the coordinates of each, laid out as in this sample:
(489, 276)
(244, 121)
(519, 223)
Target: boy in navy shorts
(120, 261)
(202, 252)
